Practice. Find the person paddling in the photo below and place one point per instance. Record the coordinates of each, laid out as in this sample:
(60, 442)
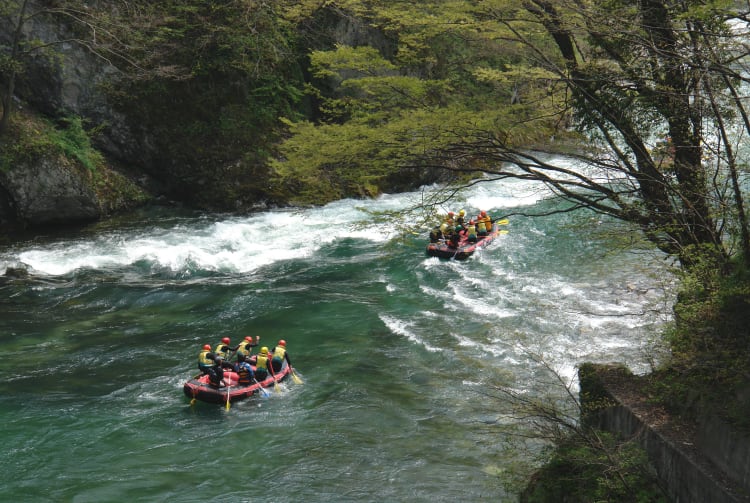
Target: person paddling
(216, 372)
(471, 232)
(245, 347)
(223, 348)
(205, 359)
(262, 364)
(279, 355)
(245, 373)
(485, 219)
(482, 229)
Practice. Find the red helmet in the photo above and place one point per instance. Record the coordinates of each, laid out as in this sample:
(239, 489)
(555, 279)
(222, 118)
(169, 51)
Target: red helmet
(450, 213)
(225, 340)
(282, 342)
(249, 338)
(483, 213)
(207, 347)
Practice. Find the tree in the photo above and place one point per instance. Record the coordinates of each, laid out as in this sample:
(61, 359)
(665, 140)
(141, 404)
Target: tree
(635, 71)
(219, 76)
(651, 87)
(200, 84)
(391, 107)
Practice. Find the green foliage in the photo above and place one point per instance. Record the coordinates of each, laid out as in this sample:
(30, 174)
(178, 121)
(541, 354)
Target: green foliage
(208, 55)
(448, 81)
(608, 470)
(328, 161)
(710, 353)
(368, 86)
(365, 61)
(215, 79)
(33, 138)
(74, 141)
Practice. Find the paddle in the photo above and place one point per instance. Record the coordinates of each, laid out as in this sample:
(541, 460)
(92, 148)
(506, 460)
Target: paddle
(296, 379)
(229, 387)
(261, 388)
(504, 221)
(275, 384)
(454, 255)
(230, 355)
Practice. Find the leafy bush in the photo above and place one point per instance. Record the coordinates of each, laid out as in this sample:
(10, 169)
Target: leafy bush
(30, 137)
(607, 470)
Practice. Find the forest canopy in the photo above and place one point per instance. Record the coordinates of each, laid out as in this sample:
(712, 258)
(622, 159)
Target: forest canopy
(648, 95)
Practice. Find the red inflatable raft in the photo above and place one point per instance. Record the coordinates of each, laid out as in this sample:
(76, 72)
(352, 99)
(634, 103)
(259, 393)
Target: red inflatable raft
(464, 249)
(199, 388)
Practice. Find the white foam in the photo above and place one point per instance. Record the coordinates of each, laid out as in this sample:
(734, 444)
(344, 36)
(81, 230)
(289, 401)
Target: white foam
(235, 244)
(403, 328)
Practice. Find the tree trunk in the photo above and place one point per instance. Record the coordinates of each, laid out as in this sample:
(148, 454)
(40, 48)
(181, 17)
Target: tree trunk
(7, 97)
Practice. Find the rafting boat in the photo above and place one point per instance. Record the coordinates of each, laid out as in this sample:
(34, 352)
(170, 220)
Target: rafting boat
(464, 249)
(199, 388)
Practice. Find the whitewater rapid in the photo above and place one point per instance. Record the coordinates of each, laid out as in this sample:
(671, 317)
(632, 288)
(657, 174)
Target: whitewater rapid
(530, 289)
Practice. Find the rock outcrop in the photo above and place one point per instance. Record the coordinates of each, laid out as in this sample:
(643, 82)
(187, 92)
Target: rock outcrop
(48, 190)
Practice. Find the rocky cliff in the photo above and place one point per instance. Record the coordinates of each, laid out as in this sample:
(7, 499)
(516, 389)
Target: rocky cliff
(196, 126)
(41, 184)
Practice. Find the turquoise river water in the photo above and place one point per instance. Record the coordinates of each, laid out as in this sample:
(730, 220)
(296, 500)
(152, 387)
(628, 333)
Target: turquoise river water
(396, 350)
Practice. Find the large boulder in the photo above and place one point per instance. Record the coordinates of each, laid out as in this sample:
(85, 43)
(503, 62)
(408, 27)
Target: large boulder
(49, 190)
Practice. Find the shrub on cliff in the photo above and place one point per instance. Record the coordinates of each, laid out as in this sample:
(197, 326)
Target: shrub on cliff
(50, 173)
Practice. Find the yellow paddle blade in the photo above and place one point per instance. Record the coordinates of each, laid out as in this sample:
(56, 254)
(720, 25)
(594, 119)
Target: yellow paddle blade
(504, 221)
(192, 401)
(227, 404)
(503, 232)
(296, 379)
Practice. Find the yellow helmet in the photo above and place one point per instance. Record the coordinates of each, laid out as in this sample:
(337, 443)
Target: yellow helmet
(462, 212)
(264, 350)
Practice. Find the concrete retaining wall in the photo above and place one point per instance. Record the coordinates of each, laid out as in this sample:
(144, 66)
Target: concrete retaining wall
(705, 463)
(727, 449)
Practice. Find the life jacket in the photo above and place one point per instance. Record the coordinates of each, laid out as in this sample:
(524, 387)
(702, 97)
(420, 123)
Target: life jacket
(279, 352)
(244, 348)
(261, 362)
(245, 373)
(203, 358)
(481, 226)
(488, 223)
(471, 231)
(222, 350)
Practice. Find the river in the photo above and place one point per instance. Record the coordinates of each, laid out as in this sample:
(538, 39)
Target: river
(396, 350)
